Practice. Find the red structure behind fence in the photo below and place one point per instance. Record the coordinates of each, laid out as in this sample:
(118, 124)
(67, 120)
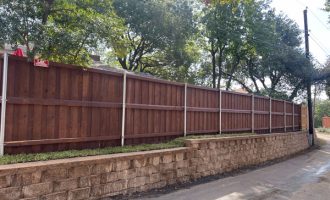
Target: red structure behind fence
(68, 107)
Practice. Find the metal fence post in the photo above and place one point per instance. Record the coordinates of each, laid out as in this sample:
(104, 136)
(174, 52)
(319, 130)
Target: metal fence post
(185, 109)
(124, 110)
(293, 128)
(220, 111)
(252, 113)
(284, 116)
(3, 103)
(270, 115)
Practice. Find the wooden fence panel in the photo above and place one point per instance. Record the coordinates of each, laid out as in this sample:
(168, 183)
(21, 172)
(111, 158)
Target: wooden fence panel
(154, 110)
(68, 107)
(262, 109)
(236, 111)
(202, 110)
(289, 116)
(61, 106)
(278, 115)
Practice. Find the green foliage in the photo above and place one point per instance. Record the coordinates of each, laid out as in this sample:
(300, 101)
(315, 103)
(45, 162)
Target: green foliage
(59, 30)
(322, 109)
(156, 33)
(327, 6)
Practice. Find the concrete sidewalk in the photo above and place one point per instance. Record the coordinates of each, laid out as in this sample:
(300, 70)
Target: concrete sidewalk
(303, 177)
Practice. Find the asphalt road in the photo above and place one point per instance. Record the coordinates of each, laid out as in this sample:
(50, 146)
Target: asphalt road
(304, 177)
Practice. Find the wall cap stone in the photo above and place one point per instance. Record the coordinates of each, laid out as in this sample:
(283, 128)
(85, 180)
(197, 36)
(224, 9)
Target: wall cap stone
(189, 142)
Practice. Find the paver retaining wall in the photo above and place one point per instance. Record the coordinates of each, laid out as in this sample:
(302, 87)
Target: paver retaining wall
(102, 176)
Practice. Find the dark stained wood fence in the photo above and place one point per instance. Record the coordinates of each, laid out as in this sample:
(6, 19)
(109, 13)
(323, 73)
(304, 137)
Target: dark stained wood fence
(68, 107)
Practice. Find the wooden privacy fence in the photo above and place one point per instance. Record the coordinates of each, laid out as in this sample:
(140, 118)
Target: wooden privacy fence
(67, 107)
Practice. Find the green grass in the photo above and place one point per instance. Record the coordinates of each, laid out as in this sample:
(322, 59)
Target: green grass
(179, 142)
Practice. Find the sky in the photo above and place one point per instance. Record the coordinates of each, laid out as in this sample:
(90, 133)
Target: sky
(317, 21)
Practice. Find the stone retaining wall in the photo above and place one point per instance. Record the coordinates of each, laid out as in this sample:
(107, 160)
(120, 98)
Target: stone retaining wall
(102, 176)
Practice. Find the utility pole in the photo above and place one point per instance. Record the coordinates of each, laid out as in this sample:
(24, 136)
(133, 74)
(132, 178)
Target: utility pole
(309, 85)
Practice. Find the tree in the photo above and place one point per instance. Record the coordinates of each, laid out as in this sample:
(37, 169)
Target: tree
(222, 25)
(59, 30)
(156, 33)
(327, 6)
(322, 109)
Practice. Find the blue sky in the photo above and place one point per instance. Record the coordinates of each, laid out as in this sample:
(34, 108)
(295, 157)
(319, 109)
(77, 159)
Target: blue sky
(317, 20)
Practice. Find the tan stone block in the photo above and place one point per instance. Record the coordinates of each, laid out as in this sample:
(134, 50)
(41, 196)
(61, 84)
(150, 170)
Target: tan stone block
(167, 166)
(212, 145)
(182, 164)
(167, 158)
(137, 163)
(5, 181)
(154, 178)
(37, 189)
(109, 177)
(122, 165)
(203, 146)
(179, 156)
(79, 171)
(102, 168)
(129, 173)
(56, 196)
(54, 174)
(97, 190)
(10, 193)
(181, 172)
(115, 186)
(26, 178)
(64, 185)
(155, 160)
(81, 193)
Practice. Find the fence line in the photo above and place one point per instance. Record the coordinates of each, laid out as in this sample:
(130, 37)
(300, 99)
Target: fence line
(66, 107)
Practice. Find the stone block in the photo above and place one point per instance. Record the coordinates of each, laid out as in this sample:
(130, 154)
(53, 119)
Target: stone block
(54, 174)
(65, 185)
(102, 168)
(155, 160)
(179, 156)
(168, 158)
(37, 189)
(78, 194)
(122, 165)
(79, 171)
(5, 181)
(55, 196)
(10, 193)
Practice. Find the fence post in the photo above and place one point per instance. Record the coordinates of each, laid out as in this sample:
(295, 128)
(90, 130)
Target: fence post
(284, 116)
(220, 111)
(124, 110)
(185, 110)
(3, 103)
(252, 113)
(270, 115)
(293, 128)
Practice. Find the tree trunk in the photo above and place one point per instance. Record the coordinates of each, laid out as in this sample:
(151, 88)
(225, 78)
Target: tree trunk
(214, 75)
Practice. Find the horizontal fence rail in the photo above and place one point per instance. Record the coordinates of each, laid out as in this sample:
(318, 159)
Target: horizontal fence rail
(68, 107)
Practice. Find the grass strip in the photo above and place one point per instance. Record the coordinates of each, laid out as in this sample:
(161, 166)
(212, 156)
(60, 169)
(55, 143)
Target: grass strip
(179, 142)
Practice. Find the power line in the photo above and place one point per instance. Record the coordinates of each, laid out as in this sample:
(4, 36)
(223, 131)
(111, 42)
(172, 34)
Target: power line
(321, 22)
(316, 17)
(319, 45)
